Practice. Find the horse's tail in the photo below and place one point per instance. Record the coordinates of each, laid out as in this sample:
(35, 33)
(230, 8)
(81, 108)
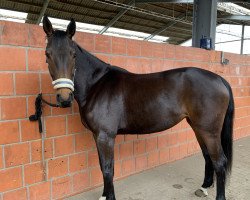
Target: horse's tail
(227, 129)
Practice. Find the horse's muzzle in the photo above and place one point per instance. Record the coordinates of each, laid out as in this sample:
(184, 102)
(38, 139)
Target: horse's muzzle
(65, 103)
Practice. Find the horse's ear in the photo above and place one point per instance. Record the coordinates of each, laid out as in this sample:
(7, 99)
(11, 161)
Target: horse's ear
(71, 29)
(47, 26)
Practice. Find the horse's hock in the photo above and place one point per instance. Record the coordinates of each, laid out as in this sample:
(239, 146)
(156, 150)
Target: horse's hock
(70, 153)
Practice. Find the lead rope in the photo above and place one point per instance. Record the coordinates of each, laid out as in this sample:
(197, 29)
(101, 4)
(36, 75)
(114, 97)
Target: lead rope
(38, 117)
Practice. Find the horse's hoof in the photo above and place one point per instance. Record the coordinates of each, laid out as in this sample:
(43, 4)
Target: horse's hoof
(202, 192)
(102, 198)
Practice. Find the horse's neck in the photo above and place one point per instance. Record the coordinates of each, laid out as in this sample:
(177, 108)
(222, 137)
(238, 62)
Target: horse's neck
(89, 70)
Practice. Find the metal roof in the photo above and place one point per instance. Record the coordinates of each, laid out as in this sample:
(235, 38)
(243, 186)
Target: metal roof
(170, 18)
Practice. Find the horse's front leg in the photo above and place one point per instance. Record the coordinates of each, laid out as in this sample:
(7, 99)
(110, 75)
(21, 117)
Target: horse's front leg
(105, 146)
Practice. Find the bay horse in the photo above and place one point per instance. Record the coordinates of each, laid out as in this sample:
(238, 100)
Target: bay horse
(114, 101)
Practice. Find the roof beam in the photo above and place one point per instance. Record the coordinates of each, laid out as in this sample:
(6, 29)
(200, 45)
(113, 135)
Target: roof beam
(117, 17)
(42, 12)
(236, 17)
(185, 1)
(168, 25)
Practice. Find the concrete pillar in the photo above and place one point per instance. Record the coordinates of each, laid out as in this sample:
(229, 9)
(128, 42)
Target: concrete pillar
(204, 21)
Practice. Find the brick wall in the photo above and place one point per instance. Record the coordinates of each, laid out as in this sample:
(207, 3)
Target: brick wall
(71, 156)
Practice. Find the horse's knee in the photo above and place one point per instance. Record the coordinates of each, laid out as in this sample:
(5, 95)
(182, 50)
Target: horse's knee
(108, 174)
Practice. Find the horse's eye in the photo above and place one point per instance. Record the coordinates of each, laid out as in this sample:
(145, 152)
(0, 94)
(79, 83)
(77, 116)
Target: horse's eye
(74, 55)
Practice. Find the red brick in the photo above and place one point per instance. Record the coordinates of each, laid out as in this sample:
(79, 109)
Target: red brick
(146, 49)
(96, 176)
(172, 139)
(37, 60)
(7, 111)
(158, 50)
(168, 64)
(6, 84)
(120, 61)
(27, 83)
(46, 84)
(55, 126)
(128, 166)
(9, 132)
(40, 191)
(117, 169)
(15, 34)
(16, 154)
(129, 137)
(158, 65)
(103, 57)
(77, 162)
(8, 63)
(141, 163)
(164, 155)
(81, 181)
(145, 65)
(170, 51)
(133, 65)
(153, 158)
(119, 139)
(61, 187)
(33, 173)
(84, 141)
(74, 124)
(174, 153)
(36, 36)
(36, 149)
(10, 179)
(102, 44)
(151, 144)
(29, 130)
(85, 40)
(126, 150)
(139, 147)
(116, 153)
(64, 145)
(58, 167)
(182, 137)
(93, 160)
(183, 150)
(1, 157)
(20, 194)
(133, 48)
(119, 45)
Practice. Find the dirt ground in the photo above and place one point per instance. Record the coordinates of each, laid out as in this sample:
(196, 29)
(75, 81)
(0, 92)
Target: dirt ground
(180, 179)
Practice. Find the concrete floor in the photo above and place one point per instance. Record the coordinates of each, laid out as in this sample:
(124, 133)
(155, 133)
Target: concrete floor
(180, 179)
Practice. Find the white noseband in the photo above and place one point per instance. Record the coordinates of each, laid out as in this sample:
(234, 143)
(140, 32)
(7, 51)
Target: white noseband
(63, 83)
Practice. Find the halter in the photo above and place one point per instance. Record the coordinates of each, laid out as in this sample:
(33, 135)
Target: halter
(63, 83)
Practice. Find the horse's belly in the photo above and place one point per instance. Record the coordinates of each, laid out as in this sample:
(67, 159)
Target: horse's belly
(147, 123)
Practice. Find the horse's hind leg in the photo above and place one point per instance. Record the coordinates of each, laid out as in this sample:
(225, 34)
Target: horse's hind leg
(209, 169)
(209, 173)
(105, 147)
(219, 160)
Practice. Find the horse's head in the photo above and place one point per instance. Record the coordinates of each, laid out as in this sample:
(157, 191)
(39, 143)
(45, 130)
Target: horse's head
(60, 56)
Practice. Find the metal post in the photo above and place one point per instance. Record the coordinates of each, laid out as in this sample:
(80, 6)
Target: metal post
(204, 21)
(45, 5)
(242, 39)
